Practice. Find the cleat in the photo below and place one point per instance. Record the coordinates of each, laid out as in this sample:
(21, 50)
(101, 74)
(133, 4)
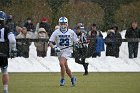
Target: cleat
(73, 81)
(62, 82)
(85, 74)
(5, 91)
(86, 68)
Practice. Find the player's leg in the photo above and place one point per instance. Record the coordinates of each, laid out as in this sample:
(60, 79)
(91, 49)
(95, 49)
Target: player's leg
(64, 66)
(68, 71)
(85, 65)
(5, 76)
(5, 79)
(62, 61)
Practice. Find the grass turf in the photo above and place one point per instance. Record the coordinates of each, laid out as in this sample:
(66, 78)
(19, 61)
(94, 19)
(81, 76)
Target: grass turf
(97, 82)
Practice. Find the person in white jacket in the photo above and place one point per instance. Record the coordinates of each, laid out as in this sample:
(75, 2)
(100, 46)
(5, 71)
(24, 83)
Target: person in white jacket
(41, 47)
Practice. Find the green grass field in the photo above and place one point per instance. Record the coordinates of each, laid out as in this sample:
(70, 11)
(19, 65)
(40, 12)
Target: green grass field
(93, 83)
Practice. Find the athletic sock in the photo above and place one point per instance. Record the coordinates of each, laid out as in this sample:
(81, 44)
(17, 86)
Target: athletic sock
(5, 87)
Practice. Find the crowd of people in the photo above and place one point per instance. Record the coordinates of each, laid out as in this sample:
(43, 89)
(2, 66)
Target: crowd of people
(79, 42)
(94, 38)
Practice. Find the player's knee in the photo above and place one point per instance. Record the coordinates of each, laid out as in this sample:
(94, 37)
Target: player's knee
(4, 71)
(62, 65)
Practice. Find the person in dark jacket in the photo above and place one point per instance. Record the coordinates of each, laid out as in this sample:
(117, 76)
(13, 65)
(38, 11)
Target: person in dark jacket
(113, 42)
(118, 41)
(10, 23)
(29, 25)
(23, 46)
(133, 32)
(92, 39)
(80, 50)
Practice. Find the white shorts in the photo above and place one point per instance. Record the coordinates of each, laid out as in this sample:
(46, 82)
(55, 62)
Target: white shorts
(64, 53)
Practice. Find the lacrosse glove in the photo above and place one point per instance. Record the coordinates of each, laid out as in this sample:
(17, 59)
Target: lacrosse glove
(13, 53)
(57, 49)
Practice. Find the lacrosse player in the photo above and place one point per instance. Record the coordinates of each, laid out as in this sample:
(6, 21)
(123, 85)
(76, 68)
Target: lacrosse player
(7, 39)
(80, 50)
(64, 39)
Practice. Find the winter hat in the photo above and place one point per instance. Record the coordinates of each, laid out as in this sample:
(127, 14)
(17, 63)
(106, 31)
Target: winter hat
(110, 31)
(93, 24)
(80, 24)
(24, 28)
(41, 30)
(18, 29)
(57, 27)
(44, 19)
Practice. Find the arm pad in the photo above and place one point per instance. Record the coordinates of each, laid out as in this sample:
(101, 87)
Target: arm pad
(11, 38)
(12, 41)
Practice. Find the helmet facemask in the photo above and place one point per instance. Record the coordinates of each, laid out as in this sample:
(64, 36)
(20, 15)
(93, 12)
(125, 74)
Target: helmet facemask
(63, 26)
(2, 23)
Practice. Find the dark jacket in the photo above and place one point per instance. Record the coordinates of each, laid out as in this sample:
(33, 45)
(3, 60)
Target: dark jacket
(23, 46)
(132, 46)
(92, 38)
(113, 42)
(29, 26)
(132, 33)
(12, 26)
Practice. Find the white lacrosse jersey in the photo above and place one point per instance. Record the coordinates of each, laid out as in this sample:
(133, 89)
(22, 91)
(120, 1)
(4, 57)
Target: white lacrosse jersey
(64, 39)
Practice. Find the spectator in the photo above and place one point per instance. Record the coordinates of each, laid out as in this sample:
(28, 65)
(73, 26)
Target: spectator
(132, 33)
(42, 47)
(18, 30)
(113, 42)
(23, 46)
(44, 24)
(82, 28)
(80, 50)
(94, 48)
(11, 24)
(118, 41)
(30, 27)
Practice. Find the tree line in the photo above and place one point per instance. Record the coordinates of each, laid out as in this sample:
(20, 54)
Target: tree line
(102, 12)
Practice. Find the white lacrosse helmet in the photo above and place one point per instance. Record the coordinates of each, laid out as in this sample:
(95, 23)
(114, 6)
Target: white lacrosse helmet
(2, 15)
(63, 23)
(63, 20)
